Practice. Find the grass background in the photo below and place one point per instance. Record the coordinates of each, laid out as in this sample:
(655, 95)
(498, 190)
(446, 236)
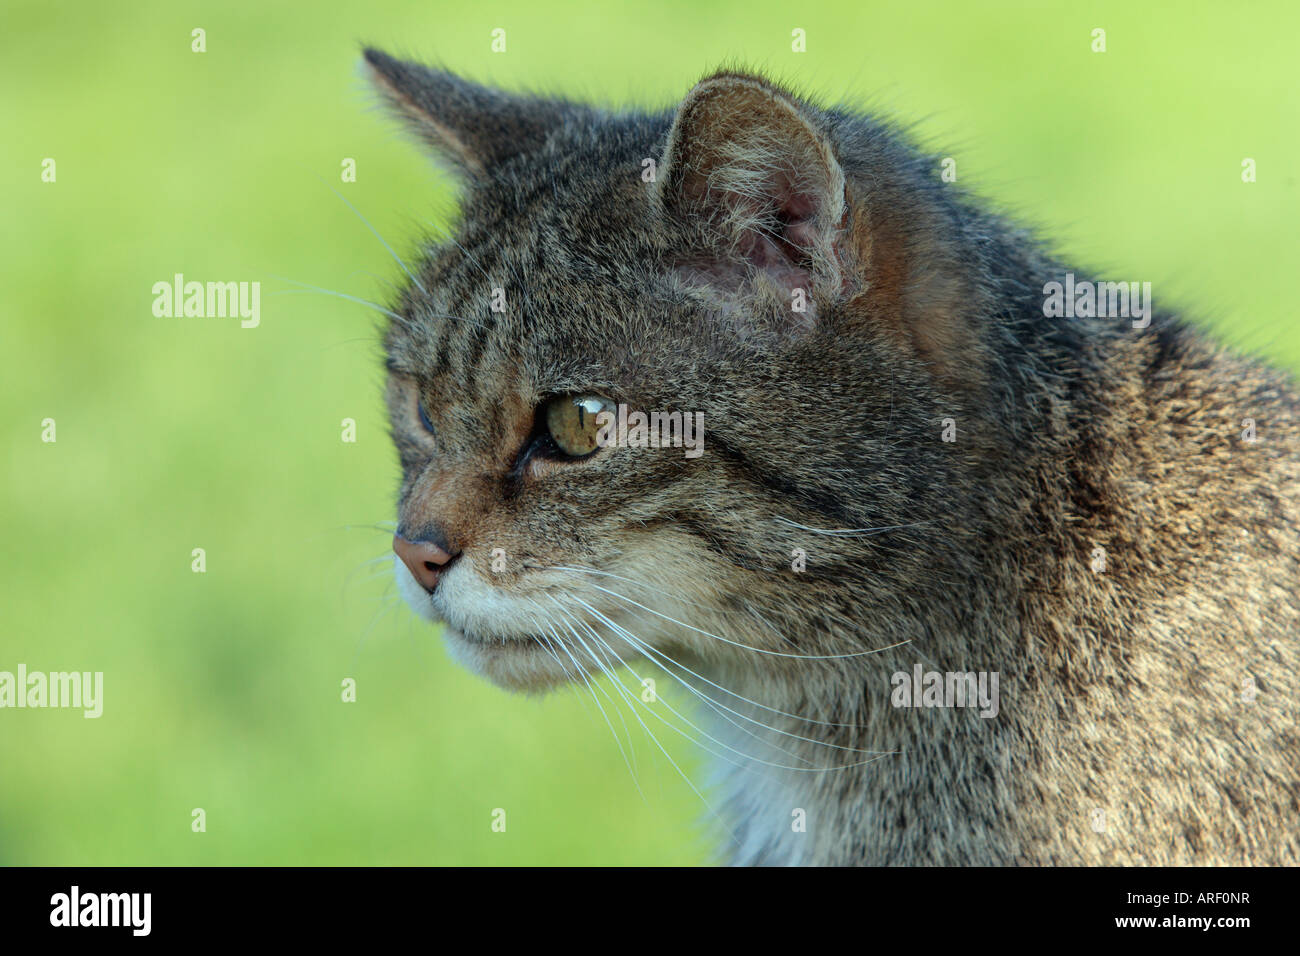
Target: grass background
(222, 689)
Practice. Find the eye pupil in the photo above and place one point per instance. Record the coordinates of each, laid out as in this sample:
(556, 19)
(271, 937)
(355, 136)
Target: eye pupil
(424, 418)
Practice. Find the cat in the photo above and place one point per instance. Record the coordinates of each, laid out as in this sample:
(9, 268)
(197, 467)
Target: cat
(910, 471)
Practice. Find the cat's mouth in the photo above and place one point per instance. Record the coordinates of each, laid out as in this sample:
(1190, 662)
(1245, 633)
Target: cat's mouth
(527, 663)
(512, 641)
(488, 641)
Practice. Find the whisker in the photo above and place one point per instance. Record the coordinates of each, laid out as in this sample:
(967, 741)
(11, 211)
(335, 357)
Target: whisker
(375, 232)
(551, 627)
(374, 621)
(611, 703)
(644, 647)
(514, 273)
(614, 679)
(739, 753)
(620, 577)
(681, 773)
(582, 675)
(447, 233)
(342, 295)
(592, 689)
(387, 528)
(698, 676)
(708, 701)
(750, 647)
(541, 638)
(649, 587)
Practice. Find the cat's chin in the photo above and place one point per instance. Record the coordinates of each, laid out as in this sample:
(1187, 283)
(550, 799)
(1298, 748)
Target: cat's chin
(516, 664)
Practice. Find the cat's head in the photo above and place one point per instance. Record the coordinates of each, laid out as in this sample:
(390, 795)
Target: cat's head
(787, 277)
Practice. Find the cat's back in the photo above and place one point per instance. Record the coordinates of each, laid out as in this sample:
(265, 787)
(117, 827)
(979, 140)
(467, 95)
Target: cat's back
(1180, 738)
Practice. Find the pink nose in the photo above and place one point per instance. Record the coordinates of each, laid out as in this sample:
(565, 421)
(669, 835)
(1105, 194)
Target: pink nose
(425, 560)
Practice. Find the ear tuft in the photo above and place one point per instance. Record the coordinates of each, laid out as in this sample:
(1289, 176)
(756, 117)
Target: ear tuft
(474, 127)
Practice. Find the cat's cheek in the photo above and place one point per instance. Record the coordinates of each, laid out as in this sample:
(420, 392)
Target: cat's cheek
(416, 597)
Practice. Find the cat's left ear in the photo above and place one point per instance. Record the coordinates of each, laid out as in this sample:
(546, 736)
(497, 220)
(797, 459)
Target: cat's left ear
(749, 170)
(473, 127)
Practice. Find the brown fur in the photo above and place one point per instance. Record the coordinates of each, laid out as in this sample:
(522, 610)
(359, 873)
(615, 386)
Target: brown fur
(1121, 690)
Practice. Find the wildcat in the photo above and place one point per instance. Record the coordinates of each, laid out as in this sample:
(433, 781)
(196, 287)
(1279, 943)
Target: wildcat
(908, 467)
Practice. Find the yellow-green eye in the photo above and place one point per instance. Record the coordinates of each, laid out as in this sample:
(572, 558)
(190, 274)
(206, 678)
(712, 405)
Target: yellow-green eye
(571, 422)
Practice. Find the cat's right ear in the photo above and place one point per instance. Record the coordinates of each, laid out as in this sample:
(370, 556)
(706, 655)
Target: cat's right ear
(749, 167)
(473, 127)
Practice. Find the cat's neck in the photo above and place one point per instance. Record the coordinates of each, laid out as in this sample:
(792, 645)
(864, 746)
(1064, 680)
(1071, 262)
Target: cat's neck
(825, 762)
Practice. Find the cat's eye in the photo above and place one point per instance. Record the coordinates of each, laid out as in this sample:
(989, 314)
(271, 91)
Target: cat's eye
(424, 416)
(571, 423)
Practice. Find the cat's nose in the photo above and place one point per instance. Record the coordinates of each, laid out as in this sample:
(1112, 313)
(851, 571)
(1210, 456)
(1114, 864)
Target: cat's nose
(425, 560)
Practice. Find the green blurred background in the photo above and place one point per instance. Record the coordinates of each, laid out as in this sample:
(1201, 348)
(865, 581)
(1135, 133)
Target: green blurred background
(222, 689)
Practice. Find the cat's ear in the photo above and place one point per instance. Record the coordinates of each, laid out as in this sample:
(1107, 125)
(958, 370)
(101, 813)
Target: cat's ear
(748, 169)
(473, 127)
